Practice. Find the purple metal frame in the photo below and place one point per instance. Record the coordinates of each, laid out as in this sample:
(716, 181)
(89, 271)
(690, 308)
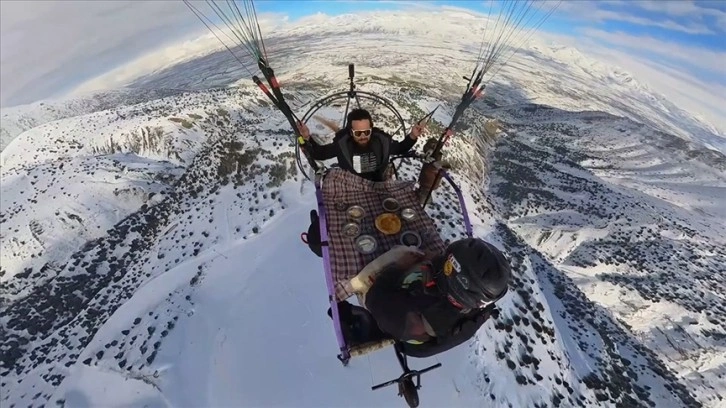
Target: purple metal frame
(462, 204)
(344, 355)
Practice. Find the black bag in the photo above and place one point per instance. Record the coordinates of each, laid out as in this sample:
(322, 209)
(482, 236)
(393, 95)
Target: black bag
(313, 234)
(357, 324)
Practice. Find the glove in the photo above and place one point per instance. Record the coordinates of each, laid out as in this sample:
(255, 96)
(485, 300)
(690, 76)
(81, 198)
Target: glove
(427, 176)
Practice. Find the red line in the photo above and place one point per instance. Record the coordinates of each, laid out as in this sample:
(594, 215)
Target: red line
(263, 87)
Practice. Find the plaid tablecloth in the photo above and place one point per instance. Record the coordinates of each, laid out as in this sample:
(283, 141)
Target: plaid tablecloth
(342, 189)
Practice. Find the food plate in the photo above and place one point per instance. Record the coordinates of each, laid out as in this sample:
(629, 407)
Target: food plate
(351, 229)
(388, 223)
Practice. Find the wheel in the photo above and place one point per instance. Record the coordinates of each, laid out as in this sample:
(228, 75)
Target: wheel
(409, 391)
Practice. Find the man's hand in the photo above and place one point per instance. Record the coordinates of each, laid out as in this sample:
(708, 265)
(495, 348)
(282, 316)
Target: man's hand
(400, 256)
(417, 130)
(407, 256)
(304, 131)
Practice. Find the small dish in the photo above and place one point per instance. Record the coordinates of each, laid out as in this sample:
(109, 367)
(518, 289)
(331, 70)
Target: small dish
(408, 214)
(366, 244)
(391, 205)
(351, 229)
(411, 238)
(355, 212)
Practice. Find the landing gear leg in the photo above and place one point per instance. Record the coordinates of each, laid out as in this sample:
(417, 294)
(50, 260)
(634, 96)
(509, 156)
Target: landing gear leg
(406, 386)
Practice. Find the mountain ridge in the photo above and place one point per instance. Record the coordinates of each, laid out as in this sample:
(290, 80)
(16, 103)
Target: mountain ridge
(232, 168)
(174, 230)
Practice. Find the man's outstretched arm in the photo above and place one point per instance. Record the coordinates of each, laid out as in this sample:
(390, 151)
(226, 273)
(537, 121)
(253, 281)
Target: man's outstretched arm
(317, 151)
(400, 256)
(407, 143)
(403, 146)
(321, 152)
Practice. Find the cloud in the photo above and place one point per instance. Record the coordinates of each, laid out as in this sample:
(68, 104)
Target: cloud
(47, 47)
(698, 58)
(686, 9)
(180, 51)
(682, 16)
(702, 99)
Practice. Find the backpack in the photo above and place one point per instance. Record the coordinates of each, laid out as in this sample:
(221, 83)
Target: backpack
(312, 237)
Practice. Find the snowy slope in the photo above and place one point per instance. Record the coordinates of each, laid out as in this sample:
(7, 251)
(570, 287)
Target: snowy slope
(18, 119)
(96, 169)
(416, 46)
(192, 285)
(435, 50)
(169, 269)
(637, 224)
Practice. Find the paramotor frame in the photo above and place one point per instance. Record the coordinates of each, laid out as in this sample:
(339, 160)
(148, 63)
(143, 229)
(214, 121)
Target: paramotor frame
(332, 98)
(350, 94)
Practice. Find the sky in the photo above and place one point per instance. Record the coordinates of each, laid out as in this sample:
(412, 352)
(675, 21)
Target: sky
(48, 48)
(689, 36)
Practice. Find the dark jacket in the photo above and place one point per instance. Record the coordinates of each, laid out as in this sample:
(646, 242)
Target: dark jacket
(371, 160)
(398, 299)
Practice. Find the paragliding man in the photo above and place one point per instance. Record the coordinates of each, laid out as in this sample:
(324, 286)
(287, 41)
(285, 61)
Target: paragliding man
(360, 147)
(429, 304)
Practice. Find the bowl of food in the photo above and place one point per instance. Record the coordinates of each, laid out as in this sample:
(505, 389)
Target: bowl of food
(408, 214)
(411, 238)
(355, 212)
(388, 223)
(351, 229)
(366, 244)
(391, 205)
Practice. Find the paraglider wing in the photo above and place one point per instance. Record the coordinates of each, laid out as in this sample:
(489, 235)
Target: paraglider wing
(516, 21)
(243, 32)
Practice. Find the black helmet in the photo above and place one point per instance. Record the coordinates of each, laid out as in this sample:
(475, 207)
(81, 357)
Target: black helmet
(474, 273)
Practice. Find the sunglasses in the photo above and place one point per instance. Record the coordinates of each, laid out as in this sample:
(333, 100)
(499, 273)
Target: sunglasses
(359, 133)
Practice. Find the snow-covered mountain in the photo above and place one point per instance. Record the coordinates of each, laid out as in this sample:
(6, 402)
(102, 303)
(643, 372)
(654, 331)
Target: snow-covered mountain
(416, 46)
(151, 251)
(18, 119)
